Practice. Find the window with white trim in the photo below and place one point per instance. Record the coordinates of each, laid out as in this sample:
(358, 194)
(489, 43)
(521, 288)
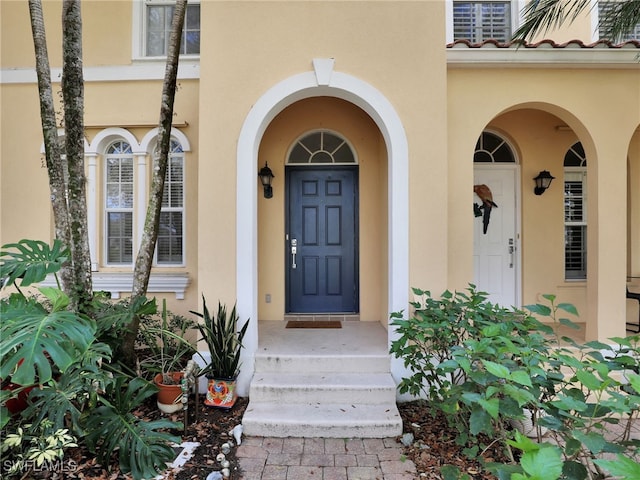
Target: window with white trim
(603, 9)
(170, 246)
(482, 20)
(575, 213)
(320, 147)
(491, 148)
(118, 188)
(157, 17)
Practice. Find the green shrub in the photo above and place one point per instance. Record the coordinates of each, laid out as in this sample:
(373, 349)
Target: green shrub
(487, 367)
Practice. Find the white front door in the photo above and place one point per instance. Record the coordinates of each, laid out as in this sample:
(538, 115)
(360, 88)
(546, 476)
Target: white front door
(495, 253)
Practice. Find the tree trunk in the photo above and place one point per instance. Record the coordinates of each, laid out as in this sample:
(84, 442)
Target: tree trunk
(53, 156)
(160, 160)
(73, 96)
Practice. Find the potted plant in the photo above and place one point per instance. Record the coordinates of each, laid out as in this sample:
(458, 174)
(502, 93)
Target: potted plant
(224, 340)
(164, 355)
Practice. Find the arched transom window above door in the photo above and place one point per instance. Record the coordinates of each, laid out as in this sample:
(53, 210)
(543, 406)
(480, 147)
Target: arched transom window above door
(492, 148)
(321, 147)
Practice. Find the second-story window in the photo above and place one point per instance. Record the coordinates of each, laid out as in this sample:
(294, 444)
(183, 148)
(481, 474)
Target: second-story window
(606, 9)
(482, 20)
(158, 16)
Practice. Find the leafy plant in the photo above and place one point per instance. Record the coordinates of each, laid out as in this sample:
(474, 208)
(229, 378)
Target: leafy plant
(223, 339)
(77, 388)
(487, 368)
(143, 446)
(31, 261)
(35, 340)
(164, 348)
(27, 448)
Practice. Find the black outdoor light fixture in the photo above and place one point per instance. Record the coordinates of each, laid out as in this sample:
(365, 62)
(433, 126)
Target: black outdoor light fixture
(266, 175)
(543, 180)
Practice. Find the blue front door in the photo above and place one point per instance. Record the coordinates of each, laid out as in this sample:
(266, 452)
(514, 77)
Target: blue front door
(322, 260)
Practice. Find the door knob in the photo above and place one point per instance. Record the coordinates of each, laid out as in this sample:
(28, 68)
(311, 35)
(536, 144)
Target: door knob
(294, 250)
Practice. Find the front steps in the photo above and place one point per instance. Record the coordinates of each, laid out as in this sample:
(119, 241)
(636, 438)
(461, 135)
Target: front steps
(330, 388)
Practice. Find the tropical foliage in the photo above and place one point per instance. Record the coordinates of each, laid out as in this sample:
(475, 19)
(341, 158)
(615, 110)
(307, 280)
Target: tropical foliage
(224, 340)
(490, 369)
(77, 391)
(541, 16)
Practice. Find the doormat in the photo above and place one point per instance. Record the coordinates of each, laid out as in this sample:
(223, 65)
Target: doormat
(314, 324)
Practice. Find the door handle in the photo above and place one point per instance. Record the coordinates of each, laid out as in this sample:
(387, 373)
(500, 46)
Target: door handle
(511, 250)
(294, 250)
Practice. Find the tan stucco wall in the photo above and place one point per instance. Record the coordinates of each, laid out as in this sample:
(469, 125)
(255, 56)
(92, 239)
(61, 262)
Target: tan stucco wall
(105, 25)
(397, 48)
(134, 106)
(374, 45)
(604, 120)
(25, 185)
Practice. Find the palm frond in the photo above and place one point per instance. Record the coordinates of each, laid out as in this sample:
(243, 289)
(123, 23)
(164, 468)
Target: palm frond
(541, 16)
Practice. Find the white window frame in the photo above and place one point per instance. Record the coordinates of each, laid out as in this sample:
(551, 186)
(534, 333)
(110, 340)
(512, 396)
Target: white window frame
(577, 174)
(139, 29)
(516, 8)
(118, 279)
(119, 209)
(322, 132)
(181, 209)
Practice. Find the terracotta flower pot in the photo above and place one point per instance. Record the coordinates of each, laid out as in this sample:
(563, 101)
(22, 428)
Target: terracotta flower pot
(169, 395)
(221, 393)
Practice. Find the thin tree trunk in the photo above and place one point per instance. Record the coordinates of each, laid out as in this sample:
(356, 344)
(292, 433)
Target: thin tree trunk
(73, 96)
(144, 259)
(51, 143)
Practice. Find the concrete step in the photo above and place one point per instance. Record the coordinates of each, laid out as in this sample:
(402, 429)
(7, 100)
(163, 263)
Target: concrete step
(321, 420)
(318, 363)
(291, 388)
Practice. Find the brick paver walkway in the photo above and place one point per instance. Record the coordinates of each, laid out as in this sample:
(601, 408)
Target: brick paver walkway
(266, 458)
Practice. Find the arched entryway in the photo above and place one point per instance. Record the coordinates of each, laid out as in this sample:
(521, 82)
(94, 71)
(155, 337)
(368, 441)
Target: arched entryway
(322, 81)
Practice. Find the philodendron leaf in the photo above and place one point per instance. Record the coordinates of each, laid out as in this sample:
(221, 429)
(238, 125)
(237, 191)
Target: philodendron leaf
(31, 260)
(33, 340)
(144, 448)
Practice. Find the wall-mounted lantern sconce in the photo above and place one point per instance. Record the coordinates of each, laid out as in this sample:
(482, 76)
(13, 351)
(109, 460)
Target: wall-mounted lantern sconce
(266, 175)
(543, 180)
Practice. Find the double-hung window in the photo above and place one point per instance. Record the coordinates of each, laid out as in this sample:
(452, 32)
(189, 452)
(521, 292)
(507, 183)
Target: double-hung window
(481, 20)
(158, 15)
(575, 213)
(170, 246)
(119, 203)
(122, 207)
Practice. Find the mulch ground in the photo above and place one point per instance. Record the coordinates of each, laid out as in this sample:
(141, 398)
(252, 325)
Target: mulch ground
(433, 446)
